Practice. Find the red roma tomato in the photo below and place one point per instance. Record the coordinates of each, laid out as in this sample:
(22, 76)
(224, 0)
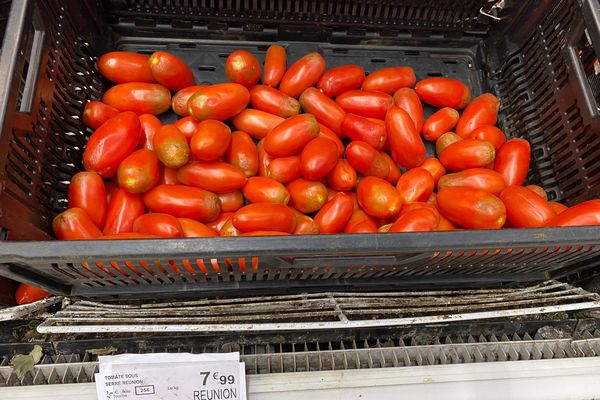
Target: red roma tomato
(327, 133)
(483, 110)
(407, 99)
(171, 147)
(171, 71)
(271, 100)
(467, 153)
(139, 171)
(150, 124)
(477, 178)
(360, 222)
(378, 198)
(242, 153)
(512, 161)
(96, 113)
(394, 173)
(416, 184)
(157, 224)
(318, 158)
(445, 224)
(557, 207)
(406, 207)
(307, 196)
(406, 145)
(231, 201)
(325, 110)
(87, 191)
(111, 143)
(188, 126)
(259, 189)
(167, 176)
(218, 223)
(228, 229)
(264, 216)
(366, 104)
(335, 214)
(365, 159)
(290, 137)
(389, 80)
(128, 235)
(303, 74)
(343, 177)
(211, 140)
(582, 214)
(141, 98)
(440, 122)
(284, 169)
(183, 202)
(490, 133)
(220, 102)
(124, 66)
(265, 233)
(446, 140)
(75, 224)
(192, 228)
(341, 79)
(264, 159)
(538, 190)
(417, 220)
(111, 189)
(365, 130)
(471, 208)
(217, 177)
(26, 294)
(179, 102)
(243, 68)
(275, 65)
(434, 167)
(305, 225)
(123, 209)
(525, 209)
(443, 92)
(255, 122)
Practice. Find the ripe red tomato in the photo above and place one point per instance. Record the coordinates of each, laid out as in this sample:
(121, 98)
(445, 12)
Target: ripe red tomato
(490, 133)
(335, 214)
(87, 191)
(211, 140)
(214, 176)
(179, 102)
(275, 65)
(468, 153)
(365, 103)
(471, 208)
(440, 122)
(417, 220)
(525, 209)
(405, 143)
(192, 228)
(305, 225)
(394, 173)
(512, 161)
(125, 66)
(27, 294)
(242, 153)
(171, 71)
(538, 190)
(231, 201)
(478, 178)
(150, 124)
(443, 92)
(111, 143)
(243, 68)
(557, 207)
(259, 189)
(75, 224)
(407, 99)
(290, 137)
(96, 113)
(139, 171)
(341, 79)
(318, 158)
(303, 74)
(188, 126)
(139, 97)
(128, 235)
(483, 110)
(389, 80)
(264, 159)
(171, 147)
(228, 229)
(325, 110)
(183, 202)
(263, 217)
(123, 209)
(265, 233)
(167, 176)
(307, 196)
(343, 177)
(111, 189)
(273, 101)
(434, 167)
(365, 159)
(378, 198)
(218, 223)
(364, 129)
(416, 184)
(220, 102)
(157, 224)
(325, 132)
(284, 169)
(255, 122)
(360, 222)
(446, 140)
(582, 214)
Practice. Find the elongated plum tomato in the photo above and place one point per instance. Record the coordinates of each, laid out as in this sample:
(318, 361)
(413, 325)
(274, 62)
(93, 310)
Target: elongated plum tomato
(365, 103)
(512, 161)
(340, 79)
(75, 224)
(220, 102)
(378, 198)
(407, 99)
(111, 143)
(477, 178)
(582, 214)
(188, 126)
(325, 132)
(307, 196)
(335, 214)
(388, 80)
(471, 208)
(416, 184)
(275, 65)
(123, 209)
(125, 66)
(538, 190)
(139, 97)
(264, 216)
(417, 220)
(435, 168)
(128, 235)
(256, 123)
(302, 74)
(343, 177)
(243, 68)
(193, 228)
(405, 143)
(360, 222)
(490, 133)
(394, 173)
(468, 153)
(318, 158)
(27, 294)
(445, 140)
(305, 225)
(365, 159)
(96, 113)
(87, 191)
(217, 177)
(242, 153)
(290, 137)
(259, 189)
(180, 99)
(264, 159)
(139, 171)
(171, 71)
(220, 221)
(525, 209)
(158, 224)
(150, 124)
(171, 147)
(440, 122)
(167, 176)
(443, 92)
(325, 110)
(210, 141)
(284, 169)
(483, 110)
(231, 201)
(364, 129)
(273, 101)
(183, 202)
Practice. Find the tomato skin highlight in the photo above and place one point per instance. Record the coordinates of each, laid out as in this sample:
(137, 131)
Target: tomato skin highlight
(443, 92)
(74, 224)
(335, 214)
(363, 129)
(221, 101)
(243, 68)
(256, 123)
(171, 147)
(365, 159)
(378, 198)
(139, 171)
(264, 217)
(171, 71)
(307, 196)
(582, 214)
(138, 97)
(125, 66)
(490, 133)
(467, 153)
(242, 153)
(512, 161)
(302, 74)
(183, 202)
(259, 189)
(211, 140)
(341, 79)
(440, 122)
(290, 137)
(325, 110)
(406, 145)
(213, 176)
(123, 209)
(88, 191)
(275, 65)
(150, 124)
(179, 101)
(483, 110)
(388, 80)
(343, 177)
(417, 220)
(416, 184)
(477, 178)
(407, 99)
(273, 101)
(318, 158)
(526, 209)
(161, 225)
(95, 113)
(193, 228)
(471, 208)
(284, 169)
(365, 103)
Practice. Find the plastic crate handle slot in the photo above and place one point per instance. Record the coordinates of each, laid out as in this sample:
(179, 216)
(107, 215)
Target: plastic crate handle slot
(32, 51)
